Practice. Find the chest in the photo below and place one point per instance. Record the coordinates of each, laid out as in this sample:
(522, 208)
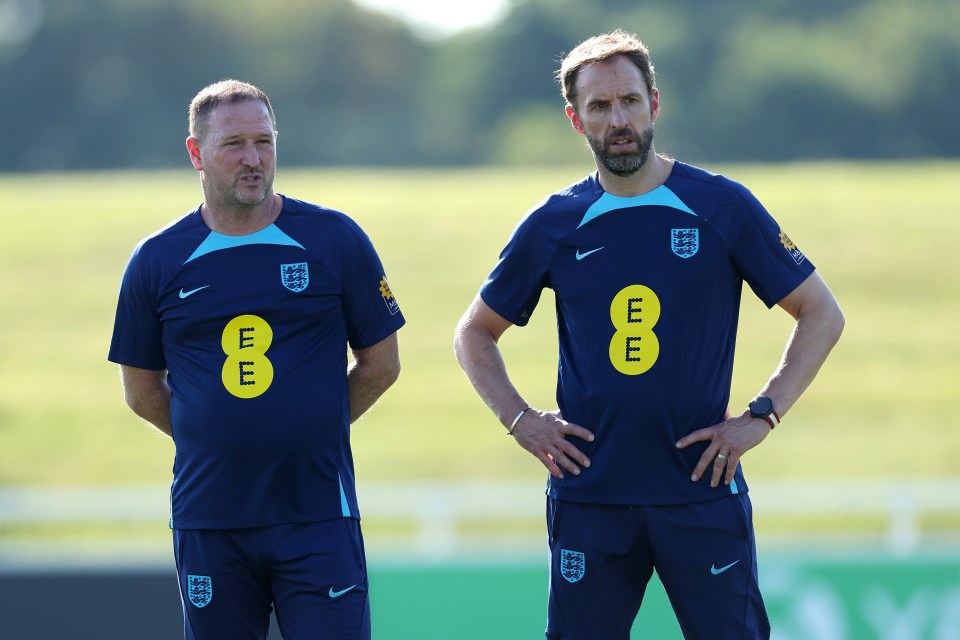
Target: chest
(670, 252)
(285, 286)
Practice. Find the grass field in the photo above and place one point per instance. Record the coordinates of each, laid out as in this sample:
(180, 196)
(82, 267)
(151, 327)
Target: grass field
(882, 235)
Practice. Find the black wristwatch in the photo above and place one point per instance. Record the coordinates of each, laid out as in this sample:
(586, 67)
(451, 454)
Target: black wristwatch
(762, 407)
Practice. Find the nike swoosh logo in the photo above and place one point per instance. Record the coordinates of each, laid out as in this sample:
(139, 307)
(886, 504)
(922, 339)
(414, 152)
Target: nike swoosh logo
(581, 256)
(187, 294)
(716, 572)
(336, 594)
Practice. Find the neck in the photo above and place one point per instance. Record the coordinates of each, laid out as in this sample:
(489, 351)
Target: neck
(240, 220)
(651, 175)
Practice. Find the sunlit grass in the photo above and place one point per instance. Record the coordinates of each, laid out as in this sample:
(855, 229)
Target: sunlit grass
(881, 235)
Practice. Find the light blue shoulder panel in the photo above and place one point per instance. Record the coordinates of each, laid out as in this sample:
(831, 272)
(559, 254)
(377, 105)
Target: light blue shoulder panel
(268, 235)
(662, 196)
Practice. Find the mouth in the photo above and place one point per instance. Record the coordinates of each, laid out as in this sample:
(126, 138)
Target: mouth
(622, 144)
(251, 179)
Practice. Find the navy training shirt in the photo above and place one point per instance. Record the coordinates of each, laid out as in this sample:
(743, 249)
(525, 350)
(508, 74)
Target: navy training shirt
(253, 331)
(647, 295)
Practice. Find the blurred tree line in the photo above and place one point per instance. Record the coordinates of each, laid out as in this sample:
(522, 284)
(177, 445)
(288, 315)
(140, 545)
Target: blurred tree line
(91, 84)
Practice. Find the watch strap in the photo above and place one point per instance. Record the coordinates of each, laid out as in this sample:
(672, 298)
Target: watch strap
(773, 419)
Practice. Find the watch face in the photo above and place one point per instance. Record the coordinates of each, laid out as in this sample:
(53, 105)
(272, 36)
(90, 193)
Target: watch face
(761, 407)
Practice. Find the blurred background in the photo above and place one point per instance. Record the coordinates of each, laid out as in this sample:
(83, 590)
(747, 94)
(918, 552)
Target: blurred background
(436, 126)
(105, 84)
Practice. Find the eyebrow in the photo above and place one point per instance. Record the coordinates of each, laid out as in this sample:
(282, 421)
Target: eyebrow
(235, 136)
(630, 94)
(594, 101)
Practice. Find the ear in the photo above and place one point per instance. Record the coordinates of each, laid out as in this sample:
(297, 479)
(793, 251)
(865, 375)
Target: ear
(654, 105)
(574, 119)
(193, 150)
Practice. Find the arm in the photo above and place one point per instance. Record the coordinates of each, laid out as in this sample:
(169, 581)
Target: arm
(819, 325)
(540, 433)
(373, 370)
(147, 393)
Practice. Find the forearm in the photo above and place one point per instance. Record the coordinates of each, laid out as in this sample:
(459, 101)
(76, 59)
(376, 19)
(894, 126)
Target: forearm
(364, 388)
(372, 372)
(545, 435)
(814, 336)
(148, 395)
(157, 412)
(479, 357)
(819, 325)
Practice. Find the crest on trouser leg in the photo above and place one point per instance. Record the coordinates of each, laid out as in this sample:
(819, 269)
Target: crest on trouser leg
(573, 564)
(199, 590)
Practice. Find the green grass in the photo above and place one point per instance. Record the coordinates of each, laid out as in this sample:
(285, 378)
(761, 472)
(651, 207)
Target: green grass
(886, 403)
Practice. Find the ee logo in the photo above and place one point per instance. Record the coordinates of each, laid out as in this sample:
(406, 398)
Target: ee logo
(634, 347)
(247, 372)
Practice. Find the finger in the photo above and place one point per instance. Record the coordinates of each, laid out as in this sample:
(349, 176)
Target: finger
(719, 464)
(708, 456)
(700, 435)
(563, 460)
(551, 466)
(573, 453)
(576, 430)
(732, 465)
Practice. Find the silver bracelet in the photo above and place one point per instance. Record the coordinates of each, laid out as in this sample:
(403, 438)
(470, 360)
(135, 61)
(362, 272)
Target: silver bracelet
(513, 425)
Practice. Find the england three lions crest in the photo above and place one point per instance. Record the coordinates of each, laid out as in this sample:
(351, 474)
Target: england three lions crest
(199, 590)
(573, 564)
(685, 242)
(295, 277)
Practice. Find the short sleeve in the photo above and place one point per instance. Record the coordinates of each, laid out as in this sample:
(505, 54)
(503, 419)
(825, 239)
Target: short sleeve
(768, 260)
(514, 286)
(371, 310)
(137, 333)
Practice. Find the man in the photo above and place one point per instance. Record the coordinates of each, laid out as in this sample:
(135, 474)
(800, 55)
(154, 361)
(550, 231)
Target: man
(231, 335)
(646, 258)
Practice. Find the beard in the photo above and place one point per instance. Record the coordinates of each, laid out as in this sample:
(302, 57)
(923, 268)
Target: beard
(623, 164)
(253, 198)
(233, 194)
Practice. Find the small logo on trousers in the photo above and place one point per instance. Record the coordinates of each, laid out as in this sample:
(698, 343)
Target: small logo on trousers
(716, 572)
(573, 564)
(199, 590)
(336, 594)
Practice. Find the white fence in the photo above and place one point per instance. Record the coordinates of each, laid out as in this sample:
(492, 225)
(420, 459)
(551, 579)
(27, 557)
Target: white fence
(444, 520)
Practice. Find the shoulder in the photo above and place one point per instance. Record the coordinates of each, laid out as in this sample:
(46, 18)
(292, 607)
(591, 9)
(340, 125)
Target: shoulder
(318, 217)
(714, 197)
(179, 237)
(564, 209)
(694, 179)
(330, 235)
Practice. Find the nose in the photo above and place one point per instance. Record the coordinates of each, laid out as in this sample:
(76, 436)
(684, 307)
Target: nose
(618, 116)
(250, 157)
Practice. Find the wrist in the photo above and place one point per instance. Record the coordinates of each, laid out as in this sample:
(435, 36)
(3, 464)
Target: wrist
(513, 425)
(762, 407)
